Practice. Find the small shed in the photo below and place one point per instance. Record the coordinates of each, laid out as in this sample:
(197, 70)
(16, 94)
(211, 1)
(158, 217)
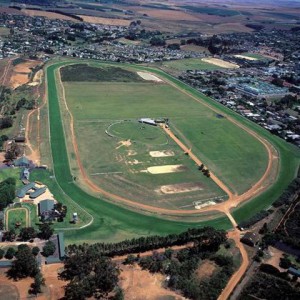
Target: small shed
(22, 162)
(250, 238)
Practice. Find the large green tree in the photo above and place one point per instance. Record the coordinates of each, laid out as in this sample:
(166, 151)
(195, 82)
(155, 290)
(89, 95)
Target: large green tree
(25, 264)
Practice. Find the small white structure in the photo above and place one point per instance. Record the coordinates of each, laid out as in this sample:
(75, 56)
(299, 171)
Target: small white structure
(75, 217)
(148, 121)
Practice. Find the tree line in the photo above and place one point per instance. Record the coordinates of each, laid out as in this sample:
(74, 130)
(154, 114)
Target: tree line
(143, 244)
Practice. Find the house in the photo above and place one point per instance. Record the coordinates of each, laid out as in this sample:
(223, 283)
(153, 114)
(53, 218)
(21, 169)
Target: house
(37, 193)
(22, 162)
(59, 254)
(250, 238)
(21, 193)
(25, 174)
(46, 207)
(294, 271)
(20, 139)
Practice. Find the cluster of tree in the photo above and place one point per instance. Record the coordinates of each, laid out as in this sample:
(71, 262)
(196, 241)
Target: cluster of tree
(25, 265)
(3, 138)
(206, 237)
(6, 122)
(157, 41)
(288, 195)
(254, 219)
(180, 268)
(279, 286)
(204, 171)
(90, 275)
(29, 233)
(24, 103)
(13, 152)
(49, 249)
(7, 192)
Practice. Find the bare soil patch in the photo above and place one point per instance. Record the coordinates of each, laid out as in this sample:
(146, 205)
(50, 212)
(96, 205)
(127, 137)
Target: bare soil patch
(220, 63)
(140, 284)
(131, 153)
(275, 258)
(181, 188)
(164, 153)
(245, 57)
(166, 169)
(149, 77)
(105, 21)
(21, 73)
(8, 292)
(124, 143)
(206, 269)
(171, 15)
(37, 79)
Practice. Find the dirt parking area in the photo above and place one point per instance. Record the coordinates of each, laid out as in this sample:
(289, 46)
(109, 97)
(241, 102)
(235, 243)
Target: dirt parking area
(165, 153)
(166, 169)
(140, 284)
(220, 63)
(149, 77)
(181, 188)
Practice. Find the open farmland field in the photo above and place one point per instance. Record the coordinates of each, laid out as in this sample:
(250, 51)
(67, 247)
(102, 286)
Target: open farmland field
(220, 144)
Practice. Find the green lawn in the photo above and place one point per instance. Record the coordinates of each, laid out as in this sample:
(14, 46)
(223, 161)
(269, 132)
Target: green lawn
(236, 157)
(255, 55)
(190, 64)
(16, 215)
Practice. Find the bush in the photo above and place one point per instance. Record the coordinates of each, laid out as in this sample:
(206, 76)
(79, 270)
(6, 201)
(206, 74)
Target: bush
(35, 251)
(285, 263)
(49, 248)
(1, 253)
(10, 253)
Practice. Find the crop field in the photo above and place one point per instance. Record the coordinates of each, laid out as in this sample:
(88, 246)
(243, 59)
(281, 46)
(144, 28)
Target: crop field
(190, 64)
(105, 120)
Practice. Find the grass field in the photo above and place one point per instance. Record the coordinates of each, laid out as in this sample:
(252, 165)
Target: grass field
(255, 55)
(218, 142)
(190, 64)
(112, 222)
(15, 215)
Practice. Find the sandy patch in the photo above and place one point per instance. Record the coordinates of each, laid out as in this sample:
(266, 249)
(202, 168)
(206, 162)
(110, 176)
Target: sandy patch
(47, 14)
(149, 77)
(131, 153)
(220, 63)
(18, 79)
(21, 73)
(166, 169)
(37, 79)
(164, 153)
(181, 188)
(274, 260)
(105, 21)
(134, 162)
(206, 269)
(142, 285)
(245, 57)
(124, 143)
